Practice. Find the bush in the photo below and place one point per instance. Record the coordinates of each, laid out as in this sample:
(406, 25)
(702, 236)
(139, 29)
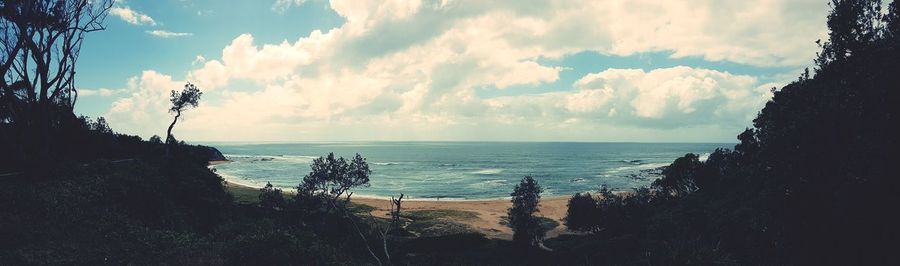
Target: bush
(582, 213)
(271, 197)
(678, 178)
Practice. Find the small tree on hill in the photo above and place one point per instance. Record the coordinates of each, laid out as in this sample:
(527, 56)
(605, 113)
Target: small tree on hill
(155, 139)
(101, 126)
(181, 101)
(526, 227)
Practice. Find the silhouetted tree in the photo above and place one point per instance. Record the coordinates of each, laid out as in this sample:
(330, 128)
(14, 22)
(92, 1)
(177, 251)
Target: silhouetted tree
(271, 197)
(101, 126)
(527, 229)
(582, 213)
(678, 178)
(40, 42)
(852, 24)
(182, 100)
(155, 139)
(331, 178)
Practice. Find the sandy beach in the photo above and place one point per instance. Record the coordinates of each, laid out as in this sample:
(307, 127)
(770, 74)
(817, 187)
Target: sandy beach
(489, 212)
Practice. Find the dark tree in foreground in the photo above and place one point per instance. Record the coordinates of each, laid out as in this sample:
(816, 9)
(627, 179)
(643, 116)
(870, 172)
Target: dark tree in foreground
(582, 214)
(678, 178)
(40, 42)
(526, 227)
(332, 178)
(853, 24)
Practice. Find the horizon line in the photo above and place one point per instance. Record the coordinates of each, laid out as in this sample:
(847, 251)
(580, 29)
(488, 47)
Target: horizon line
(454, 141)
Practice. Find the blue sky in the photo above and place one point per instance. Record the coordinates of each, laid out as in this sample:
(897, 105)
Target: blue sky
(293, 70)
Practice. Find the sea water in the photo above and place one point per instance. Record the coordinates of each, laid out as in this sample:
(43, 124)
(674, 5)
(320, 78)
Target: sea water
(462, 170)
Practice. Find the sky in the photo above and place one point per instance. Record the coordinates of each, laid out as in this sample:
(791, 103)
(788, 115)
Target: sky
(446, 70)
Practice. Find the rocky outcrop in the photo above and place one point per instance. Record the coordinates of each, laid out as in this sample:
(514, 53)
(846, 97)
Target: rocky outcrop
(213, 154)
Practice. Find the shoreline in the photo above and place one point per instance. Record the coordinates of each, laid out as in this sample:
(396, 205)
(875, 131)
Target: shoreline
(231, 180)
(489, 213)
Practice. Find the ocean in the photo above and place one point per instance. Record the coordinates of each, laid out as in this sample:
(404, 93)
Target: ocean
(462, 170)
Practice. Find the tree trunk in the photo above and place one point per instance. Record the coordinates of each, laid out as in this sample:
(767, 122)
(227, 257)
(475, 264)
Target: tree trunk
(169, 137)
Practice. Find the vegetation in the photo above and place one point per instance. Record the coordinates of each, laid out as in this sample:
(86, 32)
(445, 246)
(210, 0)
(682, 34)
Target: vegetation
(271, 197)
(332, 178)
(435, 223)
(583, 214)
(810, 183)
(39, 45)
(527, 229)
(182, 100)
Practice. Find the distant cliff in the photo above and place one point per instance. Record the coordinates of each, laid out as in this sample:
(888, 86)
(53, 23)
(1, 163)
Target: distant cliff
(213, 154)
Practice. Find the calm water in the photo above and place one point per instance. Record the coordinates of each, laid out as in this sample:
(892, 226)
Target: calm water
(461, 170)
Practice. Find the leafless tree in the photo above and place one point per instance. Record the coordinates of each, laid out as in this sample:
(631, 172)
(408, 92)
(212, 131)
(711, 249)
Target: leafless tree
(395, 211)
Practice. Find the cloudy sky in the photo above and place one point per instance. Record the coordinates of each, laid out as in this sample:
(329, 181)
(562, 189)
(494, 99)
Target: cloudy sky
(598, 70)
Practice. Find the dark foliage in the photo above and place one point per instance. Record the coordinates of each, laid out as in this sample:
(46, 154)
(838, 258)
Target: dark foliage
(39, 44)
(582, 214)
(527, 229)
(155, 139)
(811, 183)
(678, 178)
(181, 101)
(271, 197)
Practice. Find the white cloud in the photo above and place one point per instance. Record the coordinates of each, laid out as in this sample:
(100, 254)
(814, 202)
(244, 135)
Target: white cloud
(280, 6)
(131, 16)
(144, 111)
(199, 59)
(670, 97)
(409, 70)
(103, 92)
(168, 34)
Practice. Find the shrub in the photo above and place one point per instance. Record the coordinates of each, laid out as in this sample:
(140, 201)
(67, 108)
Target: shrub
(271, 197)
(582, 214)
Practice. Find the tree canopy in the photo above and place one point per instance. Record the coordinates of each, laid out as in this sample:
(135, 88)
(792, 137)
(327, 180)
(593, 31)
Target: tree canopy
(527, 229)
(332, 178)
(182, 100)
